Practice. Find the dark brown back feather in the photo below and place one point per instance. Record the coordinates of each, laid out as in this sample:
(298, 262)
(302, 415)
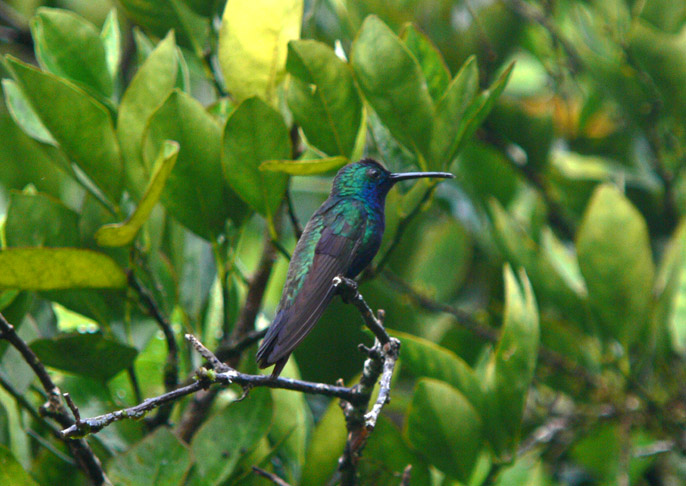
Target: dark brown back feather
(333, 255)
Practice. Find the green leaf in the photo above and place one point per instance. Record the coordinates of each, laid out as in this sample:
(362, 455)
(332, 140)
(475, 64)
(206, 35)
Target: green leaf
(304, 167)
(425, 359)
(527, 470)
(58, 268)
(89, 355)
(549, 274)
(450, 112)
(326, 444)
(196, 194)
(148, 89)
(292, 425)
(254, 133)
(231, 434)
(511, 368)
(121, 234)
(661, 56)
(160, 459)
(444, 427)
(253, 44)
(81, 125)
(433, 66)
(202, 7)
(36, 219)
(670, 289)
(11, 471)
(478, 111)
(393, 83)
(614, 254)
(69, 46)
(323, 97)
(387, 454)
(23, 113)
(111, 41)
(160, 16)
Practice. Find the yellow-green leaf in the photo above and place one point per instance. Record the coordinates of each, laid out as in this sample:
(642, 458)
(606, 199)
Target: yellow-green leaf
(121, 234)
(253, 43)
(511, 368)
(304, 167)
(616, 260)
(58, 268)
(23, 113)
(148, 89)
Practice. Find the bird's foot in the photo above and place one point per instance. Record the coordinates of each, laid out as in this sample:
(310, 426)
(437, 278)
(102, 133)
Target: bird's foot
(346, 288)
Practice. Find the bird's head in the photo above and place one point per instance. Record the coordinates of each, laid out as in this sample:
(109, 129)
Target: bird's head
(371, 181)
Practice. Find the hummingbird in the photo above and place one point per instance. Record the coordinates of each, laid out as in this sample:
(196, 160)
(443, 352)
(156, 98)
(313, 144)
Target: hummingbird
(341, 238)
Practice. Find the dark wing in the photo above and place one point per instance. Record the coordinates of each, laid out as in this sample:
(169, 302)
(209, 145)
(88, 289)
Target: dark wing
(336, 249)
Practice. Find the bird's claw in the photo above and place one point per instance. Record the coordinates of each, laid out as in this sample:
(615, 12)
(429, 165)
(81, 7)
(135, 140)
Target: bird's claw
(346, 287)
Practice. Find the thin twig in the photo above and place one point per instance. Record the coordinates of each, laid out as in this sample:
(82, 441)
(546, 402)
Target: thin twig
(80, 449)
(272, 477)
(198, 409)
(207, 354)
(26, 405)
(556, 212)
(531, 13)
(405, 481)
(171, 372)
(297, 227)
(390, 353)
(171, 367)
(206, 378)
(49, 447)
(544, 434)
(348, 290)
(258, 285)
(134, 383)
(9, 334)
(231, 349)
(17, 29)
(281, 249)
(380, 362)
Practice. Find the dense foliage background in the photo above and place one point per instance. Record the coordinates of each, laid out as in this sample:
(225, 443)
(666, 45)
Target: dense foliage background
(147, 175)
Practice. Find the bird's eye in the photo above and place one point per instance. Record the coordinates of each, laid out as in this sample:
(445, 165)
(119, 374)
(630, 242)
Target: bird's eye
(373, 173)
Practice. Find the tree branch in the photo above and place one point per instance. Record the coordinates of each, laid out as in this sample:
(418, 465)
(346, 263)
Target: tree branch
(245, 326)
(272, 477)
(380, 362)
(231, 349)
(80, 449)
(171, 367)
(556, 212)
(532, 14)
(297, 227)
(405, 481)
(258, 285)
(206, 378)
(26, 405)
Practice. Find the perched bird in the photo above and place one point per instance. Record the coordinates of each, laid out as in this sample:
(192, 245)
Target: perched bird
(341, 238)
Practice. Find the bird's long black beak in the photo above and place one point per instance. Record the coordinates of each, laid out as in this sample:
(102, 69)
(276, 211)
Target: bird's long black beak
(402, 176)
